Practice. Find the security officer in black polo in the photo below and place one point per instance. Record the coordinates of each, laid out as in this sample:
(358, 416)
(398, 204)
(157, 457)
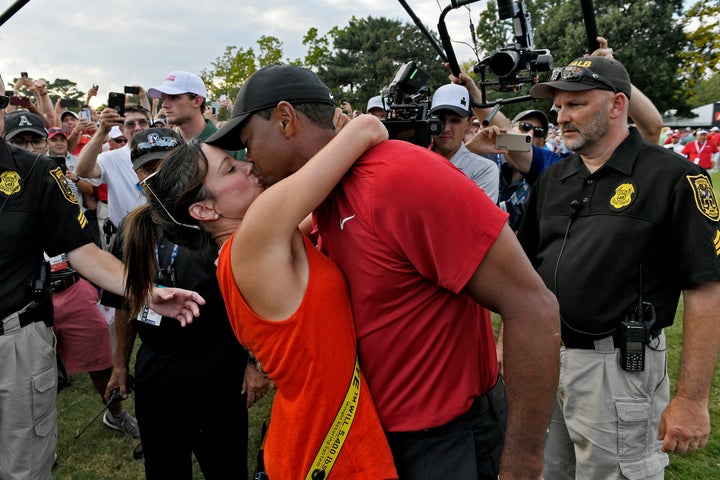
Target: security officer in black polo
(39, 213)
(617, 231)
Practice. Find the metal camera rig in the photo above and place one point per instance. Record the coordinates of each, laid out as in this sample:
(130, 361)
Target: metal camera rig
(517, 63)
(514, 65)
(408, 99)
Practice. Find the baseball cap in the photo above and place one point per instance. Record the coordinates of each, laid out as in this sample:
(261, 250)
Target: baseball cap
(178, 82)
(55, 131)
(715, 129)
(533, 114)
(152, 144)
(115, 132)
(453, 97)
(265, 89)
(586, 73)
(701, 131)
(69, 112)
(20, 122)
(377, 102)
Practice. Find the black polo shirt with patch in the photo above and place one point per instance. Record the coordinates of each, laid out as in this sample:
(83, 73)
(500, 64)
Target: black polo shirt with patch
(38, 212)
(647, 209)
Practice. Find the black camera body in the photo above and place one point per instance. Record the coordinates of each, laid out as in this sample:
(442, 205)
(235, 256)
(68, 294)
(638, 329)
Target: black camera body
(408, 117)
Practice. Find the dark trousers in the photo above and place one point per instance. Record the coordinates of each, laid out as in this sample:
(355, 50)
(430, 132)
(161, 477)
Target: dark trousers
(192, 404)
(467, 448)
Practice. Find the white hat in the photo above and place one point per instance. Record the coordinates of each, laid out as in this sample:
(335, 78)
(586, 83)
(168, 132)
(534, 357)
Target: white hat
(715, 129)
(701, 131)
(451, 97)
(377, 102)
(179, 82)
(115, 132)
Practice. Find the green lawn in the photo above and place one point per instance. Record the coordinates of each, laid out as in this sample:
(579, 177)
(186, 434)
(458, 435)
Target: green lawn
(102, 454)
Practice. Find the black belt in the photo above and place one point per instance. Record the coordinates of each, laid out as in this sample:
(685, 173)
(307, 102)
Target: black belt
(64, 283)
(587, 342)
(31, 315)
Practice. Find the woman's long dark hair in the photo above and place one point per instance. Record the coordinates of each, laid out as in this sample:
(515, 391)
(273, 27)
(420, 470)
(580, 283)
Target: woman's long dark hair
(178, 183)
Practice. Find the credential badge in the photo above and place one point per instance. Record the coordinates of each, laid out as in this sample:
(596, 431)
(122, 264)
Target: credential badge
(623, 196)
(9, 183)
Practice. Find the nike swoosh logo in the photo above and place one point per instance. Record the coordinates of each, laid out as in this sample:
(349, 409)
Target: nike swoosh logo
(342, 222)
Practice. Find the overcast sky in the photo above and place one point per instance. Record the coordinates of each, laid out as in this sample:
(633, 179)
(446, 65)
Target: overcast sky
(116, 43)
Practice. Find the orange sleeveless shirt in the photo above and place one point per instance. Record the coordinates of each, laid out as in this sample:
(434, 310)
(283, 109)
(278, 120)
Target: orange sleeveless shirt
(310, 357)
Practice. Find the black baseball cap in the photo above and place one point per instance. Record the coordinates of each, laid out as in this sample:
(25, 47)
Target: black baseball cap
(265, 89)
(586, 73)
(152, 144)
(22, 122)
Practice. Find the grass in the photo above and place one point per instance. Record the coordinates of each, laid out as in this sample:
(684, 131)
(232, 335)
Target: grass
(102, 454)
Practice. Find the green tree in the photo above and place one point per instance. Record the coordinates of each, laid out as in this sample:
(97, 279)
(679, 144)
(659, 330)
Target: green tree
(707, 90)
(367, 53)
(701, 58)
(318, 50)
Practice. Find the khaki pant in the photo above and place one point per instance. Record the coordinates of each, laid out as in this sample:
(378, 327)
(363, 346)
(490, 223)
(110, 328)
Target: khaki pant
(606, 420)
(28, 389)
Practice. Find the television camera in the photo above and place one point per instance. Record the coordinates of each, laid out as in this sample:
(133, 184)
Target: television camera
(517, 63)
(408, 100)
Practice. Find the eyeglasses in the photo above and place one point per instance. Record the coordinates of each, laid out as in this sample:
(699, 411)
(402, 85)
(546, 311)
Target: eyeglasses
(144, 183)
(23, 143)
(119, 140)
(576, 74)
(140, 123)
(538, 132)
(4, 101)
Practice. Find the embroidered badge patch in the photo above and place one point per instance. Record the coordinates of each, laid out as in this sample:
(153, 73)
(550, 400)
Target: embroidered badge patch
(716, 242)
(623, 196)
(9, 183)
(59, 178)
(704, 196)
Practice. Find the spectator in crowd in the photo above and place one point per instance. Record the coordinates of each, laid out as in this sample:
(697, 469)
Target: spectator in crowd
(40, 214)
(714, 136)
(613, 416)
(420, 259)
(471, 130)
(184, 98)
(114, 167)
(452, 104)
(78, 131)
(116, 138)
(42, 105)
(24, 129)
(377, 106)
(199, 365)
(675, 144)
(160, 121)
(201, 194)
(687, 136)
(700, 151)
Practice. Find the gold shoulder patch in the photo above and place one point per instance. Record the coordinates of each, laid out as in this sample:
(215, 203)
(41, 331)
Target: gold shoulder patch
(704, 196)
(67, 192)
(716, 242)
(623, 196)
(9, 182)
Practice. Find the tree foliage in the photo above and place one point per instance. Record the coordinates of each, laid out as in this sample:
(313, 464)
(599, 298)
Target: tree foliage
(701, 57)
(367, 53)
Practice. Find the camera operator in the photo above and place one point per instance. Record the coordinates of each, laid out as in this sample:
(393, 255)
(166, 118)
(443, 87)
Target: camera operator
(451, 103)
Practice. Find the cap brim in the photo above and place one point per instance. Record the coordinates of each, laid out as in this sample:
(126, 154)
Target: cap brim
(40, 131)
(547, 90)
(458, 110)
(158, 92)
(228, 136)
(148, 157)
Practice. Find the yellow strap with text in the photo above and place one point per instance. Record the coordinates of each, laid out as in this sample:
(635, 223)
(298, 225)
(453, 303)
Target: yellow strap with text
(335, 438)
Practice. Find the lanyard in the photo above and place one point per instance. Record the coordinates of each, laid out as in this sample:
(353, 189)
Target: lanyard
(170, 270)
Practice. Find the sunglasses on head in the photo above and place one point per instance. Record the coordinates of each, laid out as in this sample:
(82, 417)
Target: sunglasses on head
(574, 73)
(538, 132)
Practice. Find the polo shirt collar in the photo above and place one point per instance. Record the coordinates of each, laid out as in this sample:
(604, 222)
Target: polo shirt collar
(622, 159)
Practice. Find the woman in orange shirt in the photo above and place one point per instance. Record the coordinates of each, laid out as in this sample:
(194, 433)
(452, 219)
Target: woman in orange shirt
(287, 303)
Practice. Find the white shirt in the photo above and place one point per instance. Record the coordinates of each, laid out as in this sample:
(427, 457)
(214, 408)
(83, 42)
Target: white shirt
(124, 194)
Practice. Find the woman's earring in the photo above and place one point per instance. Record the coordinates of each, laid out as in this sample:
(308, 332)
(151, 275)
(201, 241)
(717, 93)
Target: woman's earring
(217, 216)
